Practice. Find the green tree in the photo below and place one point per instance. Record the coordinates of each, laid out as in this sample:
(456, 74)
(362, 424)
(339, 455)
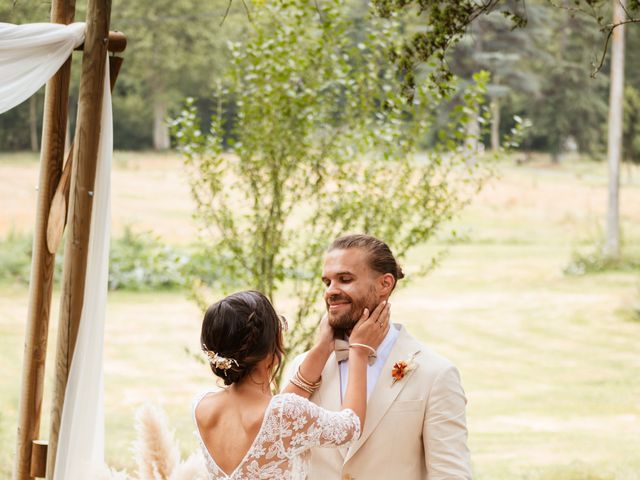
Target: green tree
(631, 135)
(321, 143)
(28, 114)
(631, 123)
(570, 103)
(444, 23)
(491, 44)
(174, 49)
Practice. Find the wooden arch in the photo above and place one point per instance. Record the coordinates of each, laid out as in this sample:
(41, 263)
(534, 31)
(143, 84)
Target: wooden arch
(34, 457)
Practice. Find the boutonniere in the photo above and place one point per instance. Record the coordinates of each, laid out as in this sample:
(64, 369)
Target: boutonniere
(402, 368)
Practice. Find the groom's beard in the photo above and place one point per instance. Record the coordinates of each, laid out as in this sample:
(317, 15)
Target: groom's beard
(344, 322)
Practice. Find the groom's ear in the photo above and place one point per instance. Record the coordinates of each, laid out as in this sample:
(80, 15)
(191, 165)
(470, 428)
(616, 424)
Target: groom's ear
(386, 284)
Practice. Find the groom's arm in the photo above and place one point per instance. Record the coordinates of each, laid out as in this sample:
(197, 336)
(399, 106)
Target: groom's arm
(445, 429)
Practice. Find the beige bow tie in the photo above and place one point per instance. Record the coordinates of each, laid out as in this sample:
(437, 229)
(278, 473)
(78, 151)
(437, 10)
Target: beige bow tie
(341, 348)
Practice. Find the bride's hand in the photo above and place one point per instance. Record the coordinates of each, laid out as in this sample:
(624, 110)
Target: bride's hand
(325, 333)
(371, 329)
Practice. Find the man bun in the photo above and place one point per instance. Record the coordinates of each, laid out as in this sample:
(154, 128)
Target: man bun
(380, 257)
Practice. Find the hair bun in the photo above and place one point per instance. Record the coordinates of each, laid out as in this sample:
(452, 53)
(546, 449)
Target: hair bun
(243, 329)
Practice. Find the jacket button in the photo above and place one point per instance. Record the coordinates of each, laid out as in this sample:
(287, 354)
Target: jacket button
(346, 476)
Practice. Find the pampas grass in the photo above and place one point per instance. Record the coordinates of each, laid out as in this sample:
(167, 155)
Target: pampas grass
(191, 469)
(106, 473)
(156, 452)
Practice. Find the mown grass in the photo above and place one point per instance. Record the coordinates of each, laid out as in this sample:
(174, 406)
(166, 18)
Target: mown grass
(549, 362)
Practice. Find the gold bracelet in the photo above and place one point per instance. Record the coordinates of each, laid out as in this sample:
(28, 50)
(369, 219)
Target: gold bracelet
(302, 386)
(371, 349)
(307, 382)
(301, 381)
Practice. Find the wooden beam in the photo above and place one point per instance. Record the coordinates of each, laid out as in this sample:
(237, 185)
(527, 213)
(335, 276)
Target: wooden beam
(117, 42)
(42, 261)
(80, 207)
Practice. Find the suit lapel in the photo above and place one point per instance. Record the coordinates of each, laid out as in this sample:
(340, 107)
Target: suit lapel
(385, 392)
(328, 395)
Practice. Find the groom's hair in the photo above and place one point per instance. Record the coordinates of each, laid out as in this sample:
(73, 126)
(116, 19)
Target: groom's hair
(380, 257)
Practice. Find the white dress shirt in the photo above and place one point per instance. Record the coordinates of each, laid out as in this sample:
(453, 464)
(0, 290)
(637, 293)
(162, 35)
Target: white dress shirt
(373, 371)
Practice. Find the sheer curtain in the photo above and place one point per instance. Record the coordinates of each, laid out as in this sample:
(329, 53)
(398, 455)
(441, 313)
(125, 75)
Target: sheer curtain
(29, 55)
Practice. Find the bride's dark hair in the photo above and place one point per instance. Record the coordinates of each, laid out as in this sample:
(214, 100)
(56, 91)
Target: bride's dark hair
(245, 329)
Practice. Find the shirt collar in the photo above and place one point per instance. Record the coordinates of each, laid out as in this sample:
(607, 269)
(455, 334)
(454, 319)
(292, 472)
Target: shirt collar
(387, 344)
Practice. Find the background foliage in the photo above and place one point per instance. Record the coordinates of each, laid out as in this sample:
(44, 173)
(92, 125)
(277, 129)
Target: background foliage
(322, 142)
(501, 304)
(540, 71)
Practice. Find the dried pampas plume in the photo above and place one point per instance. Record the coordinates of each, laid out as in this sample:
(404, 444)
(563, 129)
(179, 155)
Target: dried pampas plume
(156, 452)
(106, 473)
(191, 469)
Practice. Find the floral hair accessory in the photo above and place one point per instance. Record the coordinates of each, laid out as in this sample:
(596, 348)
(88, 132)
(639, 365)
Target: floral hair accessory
(402, 368)
(218, 361)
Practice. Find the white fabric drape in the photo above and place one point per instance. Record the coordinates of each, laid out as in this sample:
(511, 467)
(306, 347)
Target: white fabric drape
(81, 441)
(29, 55)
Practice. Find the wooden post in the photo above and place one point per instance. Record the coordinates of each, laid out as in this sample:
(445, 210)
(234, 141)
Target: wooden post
(39, 459)
(42, 263)
(80, 206)
(58, 212)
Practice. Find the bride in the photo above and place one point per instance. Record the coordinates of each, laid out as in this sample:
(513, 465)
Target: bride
(247, 433)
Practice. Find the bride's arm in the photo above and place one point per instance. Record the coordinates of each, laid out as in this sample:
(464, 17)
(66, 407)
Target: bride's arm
(315, 359)
(370, 330)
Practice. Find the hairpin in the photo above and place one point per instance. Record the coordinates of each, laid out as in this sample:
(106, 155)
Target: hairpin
(218, 361)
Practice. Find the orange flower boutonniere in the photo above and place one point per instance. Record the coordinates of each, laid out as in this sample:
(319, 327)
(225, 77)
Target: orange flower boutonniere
(402, 368)
(399, 370)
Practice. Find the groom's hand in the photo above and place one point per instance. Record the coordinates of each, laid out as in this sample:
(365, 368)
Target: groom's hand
(372, 328)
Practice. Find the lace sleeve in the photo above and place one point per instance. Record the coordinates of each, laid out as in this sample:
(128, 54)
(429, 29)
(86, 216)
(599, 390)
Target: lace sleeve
(305, 425)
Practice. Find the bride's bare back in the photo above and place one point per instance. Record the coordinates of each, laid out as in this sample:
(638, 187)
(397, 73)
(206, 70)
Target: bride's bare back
(229, 425)
(291, 426)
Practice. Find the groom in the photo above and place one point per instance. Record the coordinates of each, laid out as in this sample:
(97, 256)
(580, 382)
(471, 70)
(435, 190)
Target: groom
(415, 425)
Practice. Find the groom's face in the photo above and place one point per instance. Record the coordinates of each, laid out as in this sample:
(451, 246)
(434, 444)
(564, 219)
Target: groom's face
(351, 286)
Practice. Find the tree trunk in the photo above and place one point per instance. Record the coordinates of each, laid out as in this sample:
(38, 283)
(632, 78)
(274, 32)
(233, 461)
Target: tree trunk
(495, 125)
(614, 140)
(160, 127)
(473, 132)
(33, 122)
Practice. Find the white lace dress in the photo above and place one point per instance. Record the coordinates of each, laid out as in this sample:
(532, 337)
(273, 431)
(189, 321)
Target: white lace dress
(292, 425)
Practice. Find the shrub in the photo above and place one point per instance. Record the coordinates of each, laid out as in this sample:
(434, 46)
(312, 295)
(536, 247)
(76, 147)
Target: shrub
(15, 257)
(594, 261)
(140, 261)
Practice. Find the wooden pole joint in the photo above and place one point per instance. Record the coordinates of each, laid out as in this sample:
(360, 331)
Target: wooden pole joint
(116, 42)
(39, 458)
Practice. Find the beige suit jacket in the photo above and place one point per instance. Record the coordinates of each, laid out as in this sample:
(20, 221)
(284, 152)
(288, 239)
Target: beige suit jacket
(415, 428)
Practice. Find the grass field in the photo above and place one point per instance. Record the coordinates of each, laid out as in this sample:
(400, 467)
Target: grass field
(550, 362)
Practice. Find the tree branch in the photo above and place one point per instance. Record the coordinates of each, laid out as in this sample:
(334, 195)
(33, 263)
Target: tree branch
(610, 29)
